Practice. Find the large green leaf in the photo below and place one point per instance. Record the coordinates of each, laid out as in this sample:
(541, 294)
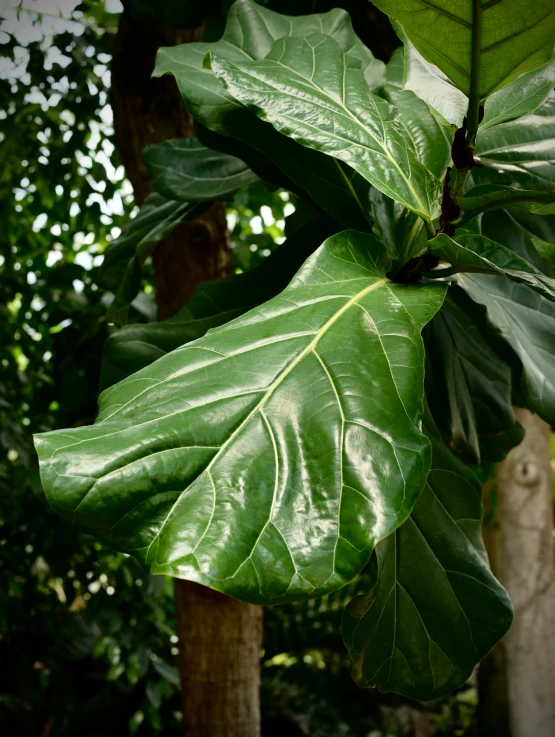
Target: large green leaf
(478, 253)
(183, 169)
(124, 258)
(468, 385)
(213, 304)
(436, 609)
(516, 37)
(523, 150)
(519, 98)
(266, 459)
(250, 33)
(527, 322)
(311, 90)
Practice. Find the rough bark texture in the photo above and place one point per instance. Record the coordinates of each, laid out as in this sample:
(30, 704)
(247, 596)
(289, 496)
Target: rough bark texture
(519, 697)
(219, 662)
(149, 111)
(220, 639)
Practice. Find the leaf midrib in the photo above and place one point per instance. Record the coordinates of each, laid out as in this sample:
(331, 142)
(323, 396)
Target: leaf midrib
(268, 394)
(347, 113)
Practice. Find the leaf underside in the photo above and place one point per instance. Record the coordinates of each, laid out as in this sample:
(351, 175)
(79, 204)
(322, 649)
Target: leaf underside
(517, 37)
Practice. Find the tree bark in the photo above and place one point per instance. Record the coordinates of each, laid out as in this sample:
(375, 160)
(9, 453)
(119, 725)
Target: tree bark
(220, 684)
(219, 638)
(519, 701)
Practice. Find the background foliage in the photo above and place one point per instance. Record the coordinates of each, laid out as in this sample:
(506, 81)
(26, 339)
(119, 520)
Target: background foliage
(82, 629)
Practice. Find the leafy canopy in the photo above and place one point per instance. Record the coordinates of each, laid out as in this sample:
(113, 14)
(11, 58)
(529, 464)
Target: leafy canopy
(313, 423)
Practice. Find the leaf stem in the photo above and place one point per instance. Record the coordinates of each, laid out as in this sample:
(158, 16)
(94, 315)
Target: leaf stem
(464, 142)
(473, 116)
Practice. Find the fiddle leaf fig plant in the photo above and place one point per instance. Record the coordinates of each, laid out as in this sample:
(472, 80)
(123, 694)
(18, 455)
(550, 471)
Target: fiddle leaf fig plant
(297, 424)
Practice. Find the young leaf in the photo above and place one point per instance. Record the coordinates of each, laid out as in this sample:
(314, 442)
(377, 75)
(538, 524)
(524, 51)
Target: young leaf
(436, 608)
(527, 322)
(213, 304)
(468, 385)
(478, 253)
(183, 169)
(124, 258)
(250, 33)
(266, 459)
(516, 37)
(524, 149)
(400, 230)
(311, 90)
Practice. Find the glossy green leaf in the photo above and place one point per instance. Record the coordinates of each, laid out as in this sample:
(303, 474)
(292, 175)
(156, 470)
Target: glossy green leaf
(436, 609)
(183, 169)
(527, 322)
(428, 138)
(311, 90)
(468, 385)
(430, 84)
(266, 459)
(213, 304)
(516, 37)
(250, 33)
(477, 253)
(519, 98)
(523, 150)
(123, 259)
(485, 197)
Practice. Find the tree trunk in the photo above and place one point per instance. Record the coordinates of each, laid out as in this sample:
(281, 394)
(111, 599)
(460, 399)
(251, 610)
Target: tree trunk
(222, 643)
(219, 638)
(519, 701)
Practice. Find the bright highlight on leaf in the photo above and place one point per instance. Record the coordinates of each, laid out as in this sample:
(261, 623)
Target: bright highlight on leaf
(311, 90)
(436, 609)
(321, 389)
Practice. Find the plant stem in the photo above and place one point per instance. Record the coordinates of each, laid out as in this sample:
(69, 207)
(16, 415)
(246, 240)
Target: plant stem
(429, 229)
(465, 138)
(473, 116)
